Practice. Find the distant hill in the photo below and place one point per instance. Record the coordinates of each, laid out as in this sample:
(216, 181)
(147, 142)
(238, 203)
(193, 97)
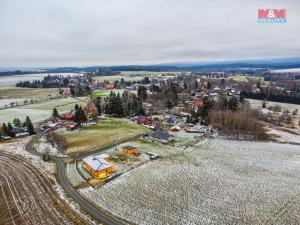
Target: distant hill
(176, 66)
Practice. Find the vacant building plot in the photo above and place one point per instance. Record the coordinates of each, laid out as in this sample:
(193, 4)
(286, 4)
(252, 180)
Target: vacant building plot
(218, 182)
(107, 131)
(27, 197)
(38, 111)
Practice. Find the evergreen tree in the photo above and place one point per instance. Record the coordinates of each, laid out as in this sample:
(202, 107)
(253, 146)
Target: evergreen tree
(242, 99)
(264, 104)
(233, 103)
(5, 129)
(142, 92)
(169, 104)
(204, 109)
(29, 126)
(80, 116)
(208, 86)
(118, 109)
(10, 130)
(188, 119)
(17, 122)
(194, 117)
(55, 113)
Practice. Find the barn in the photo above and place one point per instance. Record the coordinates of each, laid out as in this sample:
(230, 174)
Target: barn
(98, 165)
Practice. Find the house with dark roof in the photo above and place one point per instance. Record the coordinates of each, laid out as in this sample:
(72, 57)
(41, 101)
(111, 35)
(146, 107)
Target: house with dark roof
(160, 136)
(171, 121)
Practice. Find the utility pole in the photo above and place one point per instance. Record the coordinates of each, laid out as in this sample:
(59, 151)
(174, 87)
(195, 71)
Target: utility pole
(77, 154)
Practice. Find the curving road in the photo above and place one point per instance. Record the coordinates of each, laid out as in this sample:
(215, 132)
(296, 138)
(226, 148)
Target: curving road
(94, 211)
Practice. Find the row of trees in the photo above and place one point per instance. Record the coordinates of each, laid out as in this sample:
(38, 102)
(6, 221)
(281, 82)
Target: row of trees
(11, 130)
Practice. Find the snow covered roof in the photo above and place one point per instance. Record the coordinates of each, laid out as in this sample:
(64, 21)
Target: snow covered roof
(97, 162)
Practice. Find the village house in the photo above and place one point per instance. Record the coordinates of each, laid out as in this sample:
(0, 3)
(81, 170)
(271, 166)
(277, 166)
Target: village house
(23, 134)
(171, 121)
(144, 120)
(131, 150)
(98, 165)
(175, 129)
(160, 135)
(67, 116)
(71, 126)
(191, 128)
(109, 85)
(66, 91)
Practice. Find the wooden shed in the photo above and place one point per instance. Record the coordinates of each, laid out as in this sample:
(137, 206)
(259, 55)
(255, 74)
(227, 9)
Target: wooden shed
(131, 150)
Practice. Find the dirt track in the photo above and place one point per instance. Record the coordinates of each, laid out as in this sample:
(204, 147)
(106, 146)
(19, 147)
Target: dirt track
(27, 197)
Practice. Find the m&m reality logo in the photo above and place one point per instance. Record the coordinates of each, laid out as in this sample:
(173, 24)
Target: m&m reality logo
(272, 15)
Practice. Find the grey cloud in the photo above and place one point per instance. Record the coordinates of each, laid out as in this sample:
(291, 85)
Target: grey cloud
(99, 32)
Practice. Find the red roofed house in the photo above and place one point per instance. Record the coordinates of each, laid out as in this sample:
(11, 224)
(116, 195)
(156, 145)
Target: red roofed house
(67, 116)
(145, 120)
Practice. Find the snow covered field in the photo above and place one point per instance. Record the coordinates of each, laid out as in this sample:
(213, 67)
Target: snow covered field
(13, 79)
(38, 111)
(292, 70)
(285, 106)
(218, 182)
(72, 174)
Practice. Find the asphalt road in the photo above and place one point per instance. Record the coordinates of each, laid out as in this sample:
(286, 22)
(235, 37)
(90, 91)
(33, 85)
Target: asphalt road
(95, 212)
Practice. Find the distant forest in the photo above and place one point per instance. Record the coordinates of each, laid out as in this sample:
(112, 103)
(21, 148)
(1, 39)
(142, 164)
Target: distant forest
(294, 99)
(179, 67)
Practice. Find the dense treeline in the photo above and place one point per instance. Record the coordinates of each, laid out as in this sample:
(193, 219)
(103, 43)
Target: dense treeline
(47, 82)
(285, 98)
(242, 123)
(126, 105)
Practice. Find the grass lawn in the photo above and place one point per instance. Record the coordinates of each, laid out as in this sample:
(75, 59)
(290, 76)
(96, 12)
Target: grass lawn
(106, 132)
(105, 93)
(246, 78)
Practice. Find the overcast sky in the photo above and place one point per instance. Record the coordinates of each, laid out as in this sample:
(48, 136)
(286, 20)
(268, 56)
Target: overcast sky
(35, 33)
